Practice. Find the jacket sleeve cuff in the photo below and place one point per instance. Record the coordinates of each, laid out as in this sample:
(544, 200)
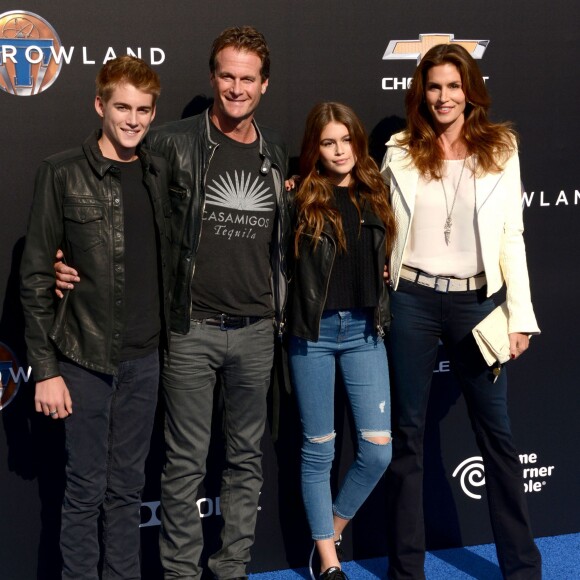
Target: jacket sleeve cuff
(45, 369)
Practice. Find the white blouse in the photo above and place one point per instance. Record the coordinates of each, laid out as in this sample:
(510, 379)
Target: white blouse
(426, 248)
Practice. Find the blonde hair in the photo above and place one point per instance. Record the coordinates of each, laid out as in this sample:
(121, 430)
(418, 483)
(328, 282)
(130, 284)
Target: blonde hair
(130, 70)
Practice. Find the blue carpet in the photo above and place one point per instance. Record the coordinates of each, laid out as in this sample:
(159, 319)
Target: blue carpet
(560, 556)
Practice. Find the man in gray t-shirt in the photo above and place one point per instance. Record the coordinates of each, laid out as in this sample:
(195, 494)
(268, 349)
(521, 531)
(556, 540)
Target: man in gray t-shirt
(230, 209)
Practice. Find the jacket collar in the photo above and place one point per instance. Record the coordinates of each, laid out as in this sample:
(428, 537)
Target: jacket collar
(407, 178)
(263, 148)
(101, 164)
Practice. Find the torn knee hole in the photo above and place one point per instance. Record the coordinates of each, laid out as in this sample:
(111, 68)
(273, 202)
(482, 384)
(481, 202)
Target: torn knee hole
(377, 437)
(322, 438)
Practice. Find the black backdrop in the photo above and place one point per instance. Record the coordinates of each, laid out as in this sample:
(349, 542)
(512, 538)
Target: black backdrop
(328, 50)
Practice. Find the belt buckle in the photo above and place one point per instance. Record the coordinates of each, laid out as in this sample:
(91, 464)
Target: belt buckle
(440, 286)
(223, 318)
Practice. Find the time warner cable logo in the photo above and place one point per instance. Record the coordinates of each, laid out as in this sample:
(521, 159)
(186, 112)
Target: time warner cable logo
(416, 49)
(471, 474)
(32, 55)
(11, 375)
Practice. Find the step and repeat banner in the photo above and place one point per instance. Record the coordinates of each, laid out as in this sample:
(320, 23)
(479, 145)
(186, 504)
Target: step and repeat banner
(362, 54)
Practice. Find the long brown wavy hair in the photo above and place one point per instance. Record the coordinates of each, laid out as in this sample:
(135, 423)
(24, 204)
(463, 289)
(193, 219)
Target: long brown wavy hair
(314, 198)
(491, 143)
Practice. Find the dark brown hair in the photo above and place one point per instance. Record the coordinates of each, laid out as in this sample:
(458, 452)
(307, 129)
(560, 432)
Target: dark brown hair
(491, 143)
(315, 194)
(130, 70)
(243, 39)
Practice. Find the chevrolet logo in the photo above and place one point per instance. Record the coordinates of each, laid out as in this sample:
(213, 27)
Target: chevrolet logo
(416, 49)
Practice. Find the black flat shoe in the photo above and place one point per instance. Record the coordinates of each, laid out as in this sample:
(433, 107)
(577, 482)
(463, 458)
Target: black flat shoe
(333, 573)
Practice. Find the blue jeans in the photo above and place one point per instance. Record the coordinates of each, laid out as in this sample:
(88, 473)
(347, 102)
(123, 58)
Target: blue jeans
(243, 359)
(349, 339)
(422, 316)
(107, 442)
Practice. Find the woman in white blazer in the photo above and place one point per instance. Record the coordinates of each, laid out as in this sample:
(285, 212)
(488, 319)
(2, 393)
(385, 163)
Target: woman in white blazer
(456, 192)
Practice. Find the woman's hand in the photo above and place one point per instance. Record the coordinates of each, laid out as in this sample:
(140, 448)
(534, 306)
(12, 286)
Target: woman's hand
(518, 344)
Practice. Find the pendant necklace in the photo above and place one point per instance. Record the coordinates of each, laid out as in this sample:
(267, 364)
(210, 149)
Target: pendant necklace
(449, 221)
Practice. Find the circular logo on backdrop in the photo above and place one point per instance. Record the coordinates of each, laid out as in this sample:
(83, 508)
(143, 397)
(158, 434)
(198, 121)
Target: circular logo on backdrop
(28, 46)
(11, 375)
(471, 475)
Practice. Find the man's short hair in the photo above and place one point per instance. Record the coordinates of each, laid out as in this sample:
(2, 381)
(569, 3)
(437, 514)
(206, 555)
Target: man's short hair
(127, 70)
(243, 39)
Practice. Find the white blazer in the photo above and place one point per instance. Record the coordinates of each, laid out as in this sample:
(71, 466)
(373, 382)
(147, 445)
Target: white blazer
(498, 204)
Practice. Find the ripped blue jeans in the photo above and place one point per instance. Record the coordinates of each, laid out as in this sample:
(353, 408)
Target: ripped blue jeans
(347, 338)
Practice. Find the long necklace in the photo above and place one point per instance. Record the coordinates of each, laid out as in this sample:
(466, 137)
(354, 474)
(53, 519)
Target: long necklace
(449, 221)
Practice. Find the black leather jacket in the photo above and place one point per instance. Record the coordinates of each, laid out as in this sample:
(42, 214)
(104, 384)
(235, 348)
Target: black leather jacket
(77, 207)
(311, 275)
(189, 148)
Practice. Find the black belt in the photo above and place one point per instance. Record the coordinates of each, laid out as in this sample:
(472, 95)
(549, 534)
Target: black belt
(227, 322)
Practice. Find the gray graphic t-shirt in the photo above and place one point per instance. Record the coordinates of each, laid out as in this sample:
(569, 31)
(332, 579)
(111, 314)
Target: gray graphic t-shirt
(232, 269)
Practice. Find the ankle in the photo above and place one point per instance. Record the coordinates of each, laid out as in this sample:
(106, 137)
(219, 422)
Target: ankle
(327, 563)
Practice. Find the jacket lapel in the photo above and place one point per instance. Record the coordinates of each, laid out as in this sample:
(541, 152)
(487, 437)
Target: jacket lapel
(484, 188)
(407, 178)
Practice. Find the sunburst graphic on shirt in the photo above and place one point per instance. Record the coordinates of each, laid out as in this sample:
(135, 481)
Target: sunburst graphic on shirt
(238, 193)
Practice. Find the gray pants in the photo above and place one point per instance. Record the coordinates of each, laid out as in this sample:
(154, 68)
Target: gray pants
(243, 359)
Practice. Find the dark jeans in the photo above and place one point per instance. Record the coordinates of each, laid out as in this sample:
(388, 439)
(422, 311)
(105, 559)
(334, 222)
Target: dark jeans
(421, 317)
(107, 442)
(243, 359)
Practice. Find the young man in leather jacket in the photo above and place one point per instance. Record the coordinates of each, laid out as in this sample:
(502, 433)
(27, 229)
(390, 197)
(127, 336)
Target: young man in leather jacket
(95, 354)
